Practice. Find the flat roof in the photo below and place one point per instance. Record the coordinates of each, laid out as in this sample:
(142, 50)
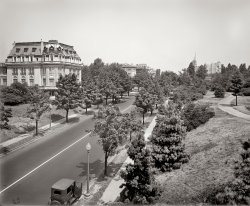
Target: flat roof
(63, 184)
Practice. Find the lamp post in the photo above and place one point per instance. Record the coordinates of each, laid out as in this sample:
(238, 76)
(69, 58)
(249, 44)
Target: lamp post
(88, 148)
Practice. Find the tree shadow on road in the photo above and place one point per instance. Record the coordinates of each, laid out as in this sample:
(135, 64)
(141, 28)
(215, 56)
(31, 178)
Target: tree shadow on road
(96, 170)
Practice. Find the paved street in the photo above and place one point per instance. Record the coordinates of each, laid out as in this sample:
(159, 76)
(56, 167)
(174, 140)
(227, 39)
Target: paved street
(41, 170)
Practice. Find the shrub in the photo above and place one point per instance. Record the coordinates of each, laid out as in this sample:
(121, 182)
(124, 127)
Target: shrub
(5, 114)
(196, 114)
(219, 92)
(246, 91)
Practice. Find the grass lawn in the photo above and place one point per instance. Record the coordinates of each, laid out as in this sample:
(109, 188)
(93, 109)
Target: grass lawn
(243, 104)
(213, 148)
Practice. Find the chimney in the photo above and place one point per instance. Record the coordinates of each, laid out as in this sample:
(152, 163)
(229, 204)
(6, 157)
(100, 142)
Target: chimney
(42, 46)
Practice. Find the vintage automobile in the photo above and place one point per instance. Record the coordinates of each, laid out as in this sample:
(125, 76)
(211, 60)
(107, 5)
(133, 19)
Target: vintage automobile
(65, 192)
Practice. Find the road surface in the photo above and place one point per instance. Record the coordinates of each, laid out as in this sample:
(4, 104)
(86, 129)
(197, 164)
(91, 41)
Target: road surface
(27, 174)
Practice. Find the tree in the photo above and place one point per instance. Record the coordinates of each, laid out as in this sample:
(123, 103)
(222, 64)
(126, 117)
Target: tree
(96, 67)
(201, 72)
(16, 93)
(109, 128)
(236, 84)
(219, 92)
(5, 114)
(191, 69)
(143, 101)
(131, 123)
(140, 186)
(167, 146)
(39, 104)
(69, 93)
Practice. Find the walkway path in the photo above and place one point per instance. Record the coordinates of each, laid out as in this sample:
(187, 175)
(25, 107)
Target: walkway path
(225, 105)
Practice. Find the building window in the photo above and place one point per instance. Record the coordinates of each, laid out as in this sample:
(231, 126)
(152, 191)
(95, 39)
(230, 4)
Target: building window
(51, 72)
(32, 82)
(17, 50)
(14, 59)
(33, 49)
(37, 59)
(44, 82)
(4, 82)
(31, 58)
(15, 71)
(23, 81)
(44, 71)
(51, 82)
(23, 59)
(51, 57)
(15, 80)
(31, 71)
(23, 71)
(26, 49)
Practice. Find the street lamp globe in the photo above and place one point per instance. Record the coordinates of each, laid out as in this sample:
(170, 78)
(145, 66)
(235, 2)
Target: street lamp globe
(88, 147)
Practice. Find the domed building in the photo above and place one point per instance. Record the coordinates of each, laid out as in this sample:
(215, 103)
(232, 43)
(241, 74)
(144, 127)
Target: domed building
(41, 63)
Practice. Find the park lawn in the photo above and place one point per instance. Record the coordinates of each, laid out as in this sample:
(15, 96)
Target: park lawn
(213, 148)
(21, 120)
(243, 104)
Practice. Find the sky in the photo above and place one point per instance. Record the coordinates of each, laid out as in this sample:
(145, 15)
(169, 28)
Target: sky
(164, 34)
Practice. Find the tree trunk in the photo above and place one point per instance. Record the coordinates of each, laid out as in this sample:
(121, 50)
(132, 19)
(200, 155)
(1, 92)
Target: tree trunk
(130, 135)
(121, 95)
(236, 99)
(128, 93)
(156, 106)
(143, 118)
(67, 115)
(36, 126)
(151, 112)
(106, 100)
(106, 163)
(86, 109)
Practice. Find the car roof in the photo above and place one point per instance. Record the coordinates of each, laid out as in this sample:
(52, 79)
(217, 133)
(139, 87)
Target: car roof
(63, 184)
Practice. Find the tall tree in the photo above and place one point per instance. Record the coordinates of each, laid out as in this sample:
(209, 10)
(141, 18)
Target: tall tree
(39, 104)
(167, 146)
(201, 72)
(236, 84)
(96, 67)
(69, 93)
(191, 70)
(143, 101)
(109, 128)
(140, 186)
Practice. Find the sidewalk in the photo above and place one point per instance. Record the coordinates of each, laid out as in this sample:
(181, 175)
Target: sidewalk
(225, 106)
(113, 190)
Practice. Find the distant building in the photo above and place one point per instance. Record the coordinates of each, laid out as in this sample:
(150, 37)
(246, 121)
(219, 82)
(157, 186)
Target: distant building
(3, 74)
(213, 68)
(130, 69)
(41, 63)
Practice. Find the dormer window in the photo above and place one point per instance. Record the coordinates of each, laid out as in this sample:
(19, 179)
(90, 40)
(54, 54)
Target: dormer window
(26, 49)
(51, 48)
(33, 49)
(17, 50)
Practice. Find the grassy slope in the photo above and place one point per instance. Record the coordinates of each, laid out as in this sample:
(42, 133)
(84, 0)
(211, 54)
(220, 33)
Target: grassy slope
(212, 147)
(243, 104)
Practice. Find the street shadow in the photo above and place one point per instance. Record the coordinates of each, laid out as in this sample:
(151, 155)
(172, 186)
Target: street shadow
(56, 117)
(72, 120)
(96, 170)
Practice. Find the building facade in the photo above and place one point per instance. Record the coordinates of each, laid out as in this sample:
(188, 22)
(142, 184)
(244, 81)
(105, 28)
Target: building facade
(130, 69)
(213, 68)
(41, 63)
(3, 74)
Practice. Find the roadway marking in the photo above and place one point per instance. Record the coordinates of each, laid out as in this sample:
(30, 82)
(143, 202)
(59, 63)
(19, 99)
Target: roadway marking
(50, 158)
(44, 163)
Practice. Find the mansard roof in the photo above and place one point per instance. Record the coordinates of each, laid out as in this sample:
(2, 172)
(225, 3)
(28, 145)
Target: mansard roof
(50, 47)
